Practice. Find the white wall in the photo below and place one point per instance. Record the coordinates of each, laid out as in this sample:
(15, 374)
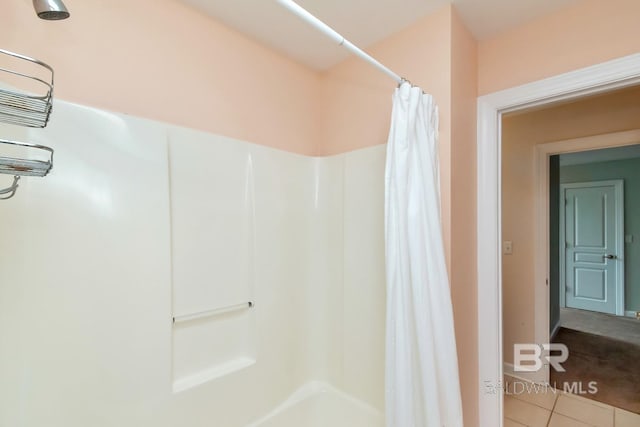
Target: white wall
(140, 222)
(85, 277)
(364, 275)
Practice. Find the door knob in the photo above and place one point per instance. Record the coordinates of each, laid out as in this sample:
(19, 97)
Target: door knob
(609, 256)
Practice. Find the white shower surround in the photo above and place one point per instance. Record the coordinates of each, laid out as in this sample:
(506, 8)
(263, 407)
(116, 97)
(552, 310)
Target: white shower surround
(98, 256)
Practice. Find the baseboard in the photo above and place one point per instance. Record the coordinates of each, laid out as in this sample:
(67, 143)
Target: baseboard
(537, 377)
(630, 314)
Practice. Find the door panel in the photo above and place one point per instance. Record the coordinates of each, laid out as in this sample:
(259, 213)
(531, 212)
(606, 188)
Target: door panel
(591, 284)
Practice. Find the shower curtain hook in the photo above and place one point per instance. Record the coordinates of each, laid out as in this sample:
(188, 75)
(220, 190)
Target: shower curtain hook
(404, 80)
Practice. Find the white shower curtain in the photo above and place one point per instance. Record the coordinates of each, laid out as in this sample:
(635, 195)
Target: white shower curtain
(422, 385)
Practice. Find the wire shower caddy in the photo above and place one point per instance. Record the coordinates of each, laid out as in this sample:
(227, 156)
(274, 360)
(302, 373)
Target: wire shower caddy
(25, 107)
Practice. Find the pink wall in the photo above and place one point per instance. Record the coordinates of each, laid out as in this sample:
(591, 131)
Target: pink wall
(356, 98)
(438, 54)
(464, 92)
(590, 32)
(162, 60)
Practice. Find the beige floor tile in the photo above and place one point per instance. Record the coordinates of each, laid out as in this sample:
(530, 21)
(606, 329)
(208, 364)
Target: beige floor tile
(588, 411)
(540, 395)
(543, 399)
(586, 400)
(558, 420)
(525, 413)
(511, 423)
(626, 419)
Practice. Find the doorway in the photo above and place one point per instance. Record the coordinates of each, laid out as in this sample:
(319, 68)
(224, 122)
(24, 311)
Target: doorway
(601, 165)
(597, 79)
(530, 273)
(613, 382)
(601, 189)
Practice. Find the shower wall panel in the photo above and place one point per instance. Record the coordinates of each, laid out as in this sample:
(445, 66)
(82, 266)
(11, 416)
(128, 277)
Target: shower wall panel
(85, 276)
(141, 222)
(364, 275)
(212, 216)
(323, 293)
(283, 188)
(212, 248)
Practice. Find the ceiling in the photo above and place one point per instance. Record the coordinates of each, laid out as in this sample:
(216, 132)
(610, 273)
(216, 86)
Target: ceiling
(363, 22)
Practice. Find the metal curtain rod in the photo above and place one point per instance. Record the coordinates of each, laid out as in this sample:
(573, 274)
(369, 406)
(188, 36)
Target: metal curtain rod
(336, 37)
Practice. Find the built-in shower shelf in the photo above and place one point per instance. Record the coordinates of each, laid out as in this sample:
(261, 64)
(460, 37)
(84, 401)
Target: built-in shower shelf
(211, 374)
(212, 343)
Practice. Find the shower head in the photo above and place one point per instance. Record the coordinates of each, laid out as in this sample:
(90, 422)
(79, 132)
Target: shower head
(51, 10)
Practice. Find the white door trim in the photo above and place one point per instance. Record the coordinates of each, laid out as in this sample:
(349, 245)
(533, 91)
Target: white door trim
(598, 78)
(618, 184)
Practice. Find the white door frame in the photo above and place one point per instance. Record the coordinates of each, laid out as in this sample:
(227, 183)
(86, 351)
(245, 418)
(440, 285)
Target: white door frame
(542, 154)
(598, 78)
(618, 185)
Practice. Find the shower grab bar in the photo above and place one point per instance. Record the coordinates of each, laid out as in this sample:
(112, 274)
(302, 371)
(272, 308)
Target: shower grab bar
(210, 313)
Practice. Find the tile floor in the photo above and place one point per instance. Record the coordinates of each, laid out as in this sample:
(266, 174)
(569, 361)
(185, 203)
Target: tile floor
(551, 408)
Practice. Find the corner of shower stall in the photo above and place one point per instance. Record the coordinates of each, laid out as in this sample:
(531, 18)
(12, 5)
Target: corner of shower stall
(343, 303)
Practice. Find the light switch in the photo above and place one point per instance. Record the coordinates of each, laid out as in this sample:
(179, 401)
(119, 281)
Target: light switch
(628, 238)
(507, 247)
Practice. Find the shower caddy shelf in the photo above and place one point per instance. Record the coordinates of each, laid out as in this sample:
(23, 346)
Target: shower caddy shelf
(24, 108)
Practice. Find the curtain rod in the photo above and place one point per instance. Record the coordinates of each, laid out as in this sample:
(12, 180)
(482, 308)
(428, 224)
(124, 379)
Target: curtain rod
(337, 37)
